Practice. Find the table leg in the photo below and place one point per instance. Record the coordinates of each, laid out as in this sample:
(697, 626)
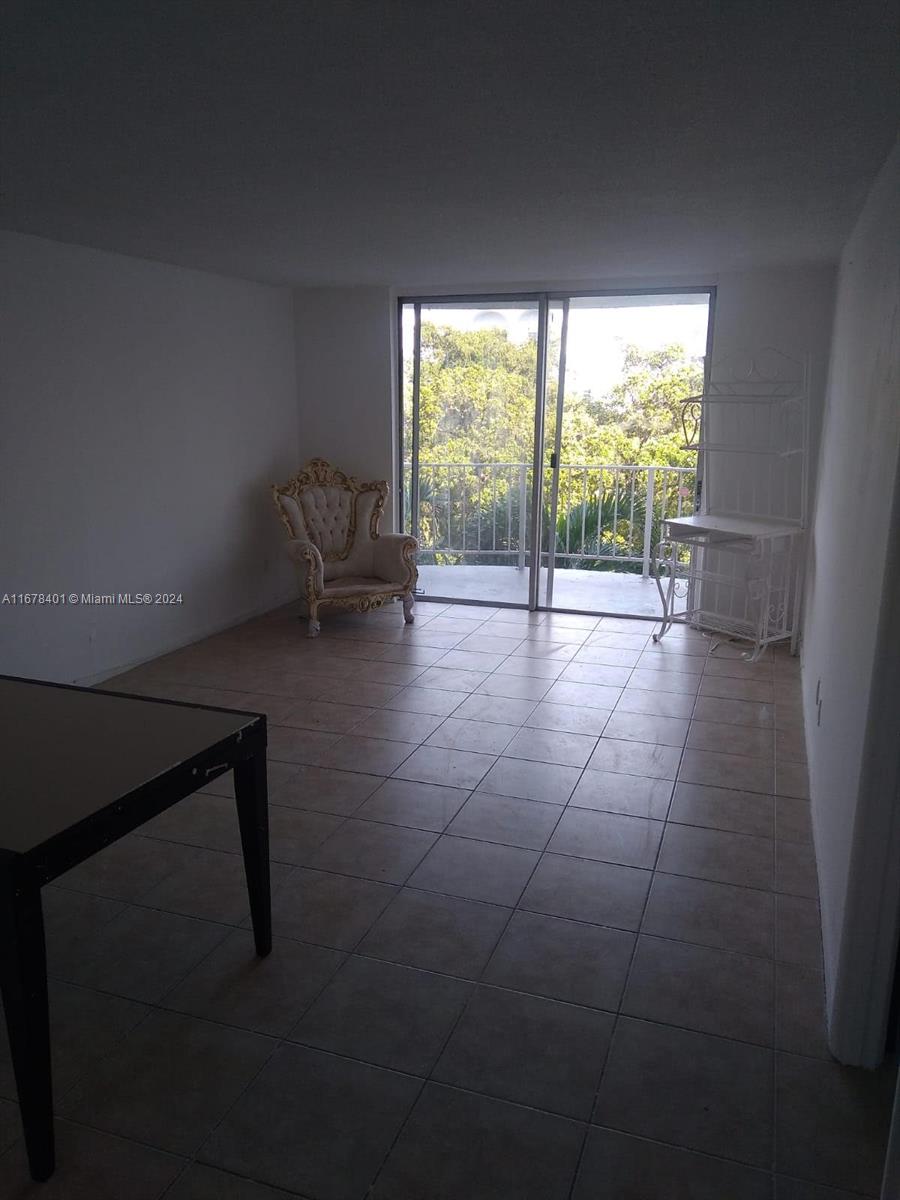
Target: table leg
(253, 817)
(23, 984)
(664, 551)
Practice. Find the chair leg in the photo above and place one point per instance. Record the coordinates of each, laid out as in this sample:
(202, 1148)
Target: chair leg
(409, 608)
(312, 612)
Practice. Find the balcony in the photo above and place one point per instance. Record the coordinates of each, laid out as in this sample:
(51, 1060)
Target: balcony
(474, 531)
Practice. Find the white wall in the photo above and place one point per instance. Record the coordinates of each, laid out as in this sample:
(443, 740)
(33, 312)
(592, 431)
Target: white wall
(345, 380)
(852, 539)
(145, 410)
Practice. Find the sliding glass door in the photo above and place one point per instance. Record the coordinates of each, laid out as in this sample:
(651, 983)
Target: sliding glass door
(614, 461)
(471, 372)
(541, 443)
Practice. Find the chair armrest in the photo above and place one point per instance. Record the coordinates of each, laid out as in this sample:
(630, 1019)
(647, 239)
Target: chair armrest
(308, 560)
(395, 558)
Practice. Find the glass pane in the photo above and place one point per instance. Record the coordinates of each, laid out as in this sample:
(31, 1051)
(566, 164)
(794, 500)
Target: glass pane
(629, 361)
(477, 380)
(407, 344)
(556, 323)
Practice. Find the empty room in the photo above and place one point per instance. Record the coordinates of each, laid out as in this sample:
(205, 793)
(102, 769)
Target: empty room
(449, 581)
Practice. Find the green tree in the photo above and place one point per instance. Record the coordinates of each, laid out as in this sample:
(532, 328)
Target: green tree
(646, 405)
(476, 396)
(476, 407)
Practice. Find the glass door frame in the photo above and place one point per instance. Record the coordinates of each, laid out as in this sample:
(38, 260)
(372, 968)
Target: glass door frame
(554, 465)
(543, 299)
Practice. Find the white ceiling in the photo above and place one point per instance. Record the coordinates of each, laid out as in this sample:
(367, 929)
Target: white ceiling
(445, 141)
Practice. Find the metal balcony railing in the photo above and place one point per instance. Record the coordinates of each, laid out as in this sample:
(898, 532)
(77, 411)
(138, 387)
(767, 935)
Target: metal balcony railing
(605, 513)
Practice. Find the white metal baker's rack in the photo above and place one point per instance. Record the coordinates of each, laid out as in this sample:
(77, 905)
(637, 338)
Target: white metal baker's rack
(737, 563)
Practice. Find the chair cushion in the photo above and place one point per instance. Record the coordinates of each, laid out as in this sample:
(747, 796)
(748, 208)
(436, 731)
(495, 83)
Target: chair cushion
(356, 585)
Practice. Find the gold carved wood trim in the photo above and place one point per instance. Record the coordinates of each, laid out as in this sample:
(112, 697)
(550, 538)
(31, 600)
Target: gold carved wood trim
(410, 546)
(320, 473)
(361, 603)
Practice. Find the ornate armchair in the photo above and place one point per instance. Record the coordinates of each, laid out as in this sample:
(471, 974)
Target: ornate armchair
(332, 522)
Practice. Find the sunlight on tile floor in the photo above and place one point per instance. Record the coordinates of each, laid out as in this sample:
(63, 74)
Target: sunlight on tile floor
(546, 928)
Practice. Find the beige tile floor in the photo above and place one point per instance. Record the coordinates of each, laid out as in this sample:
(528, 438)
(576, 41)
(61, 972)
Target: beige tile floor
(546, 929)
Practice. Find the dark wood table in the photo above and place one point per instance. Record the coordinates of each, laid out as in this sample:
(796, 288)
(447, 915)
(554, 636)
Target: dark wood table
(82, 767)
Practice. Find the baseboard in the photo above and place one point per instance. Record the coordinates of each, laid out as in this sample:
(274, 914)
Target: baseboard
(197, 636)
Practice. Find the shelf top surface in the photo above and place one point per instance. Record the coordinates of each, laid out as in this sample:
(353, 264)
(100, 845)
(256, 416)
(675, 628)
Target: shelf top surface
(759, 527)
(69, 752)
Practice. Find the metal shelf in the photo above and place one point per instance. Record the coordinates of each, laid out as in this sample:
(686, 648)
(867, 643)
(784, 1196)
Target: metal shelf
(725, 447)
(733, 525)
(759, 597)
(714, 397)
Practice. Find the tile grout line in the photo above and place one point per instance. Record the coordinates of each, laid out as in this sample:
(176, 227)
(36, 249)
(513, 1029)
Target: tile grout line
(476, 983)
(774, 1067)
(276, 1046)
(622, 994)
(580, 1156)
(455, 896)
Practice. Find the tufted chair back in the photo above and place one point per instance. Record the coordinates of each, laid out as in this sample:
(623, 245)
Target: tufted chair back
(335, 512)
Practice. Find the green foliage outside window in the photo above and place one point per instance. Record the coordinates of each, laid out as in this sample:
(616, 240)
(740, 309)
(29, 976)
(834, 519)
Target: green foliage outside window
(476, 407)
